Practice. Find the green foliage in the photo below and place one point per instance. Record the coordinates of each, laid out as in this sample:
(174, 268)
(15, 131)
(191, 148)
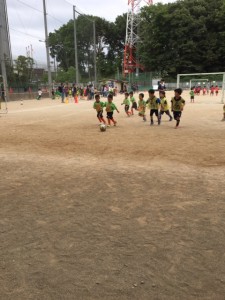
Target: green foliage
(66, 76)
(183, 37)
(23, 68)
(186, 36)
(110, 39)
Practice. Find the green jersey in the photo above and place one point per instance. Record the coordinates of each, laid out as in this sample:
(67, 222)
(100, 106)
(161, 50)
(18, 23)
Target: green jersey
(132, 99)
(126, 101)
(98, 106)
(177, 104)
(110, 107)
(192, 93)
(141, 106)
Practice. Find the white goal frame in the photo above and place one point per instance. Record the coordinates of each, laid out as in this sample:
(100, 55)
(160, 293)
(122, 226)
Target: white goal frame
(204, 74)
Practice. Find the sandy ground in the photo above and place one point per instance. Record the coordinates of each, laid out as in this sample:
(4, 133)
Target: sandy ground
(136, 212)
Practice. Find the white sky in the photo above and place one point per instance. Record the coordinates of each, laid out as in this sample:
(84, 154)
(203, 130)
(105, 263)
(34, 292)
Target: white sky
(26, 21)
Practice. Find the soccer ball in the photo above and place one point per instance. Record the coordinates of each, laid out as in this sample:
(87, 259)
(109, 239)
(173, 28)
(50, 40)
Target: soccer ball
(102, 127)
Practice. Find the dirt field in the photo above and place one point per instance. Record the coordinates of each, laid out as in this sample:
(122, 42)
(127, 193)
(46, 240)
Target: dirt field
(136, 212)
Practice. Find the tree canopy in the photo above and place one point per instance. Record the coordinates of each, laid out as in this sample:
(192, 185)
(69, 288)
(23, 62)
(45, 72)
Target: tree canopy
(180, 37)
(184, 36)
(109, 45)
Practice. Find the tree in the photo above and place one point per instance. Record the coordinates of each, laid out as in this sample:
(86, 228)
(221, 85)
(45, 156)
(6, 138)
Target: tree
(66, 76)
(185, 36)
(109, 45)
(24, 68)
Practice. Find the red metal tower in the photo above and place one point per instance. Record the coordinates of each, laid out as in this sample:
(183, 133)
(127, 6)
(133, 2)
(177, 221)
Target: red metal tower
(130, 63)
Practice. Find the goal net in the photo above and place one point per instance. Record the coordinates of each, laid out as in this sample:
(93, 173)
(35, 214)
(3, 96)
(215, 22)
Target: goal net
(204, 74)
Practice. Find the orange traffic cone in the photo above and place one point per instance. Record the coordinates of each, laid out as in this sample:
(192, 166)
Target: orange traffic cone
(76, 99)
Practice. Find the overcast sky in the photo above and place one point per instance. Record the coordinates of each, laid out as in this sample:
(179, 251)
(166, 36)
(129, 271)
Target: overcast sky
(26, 21)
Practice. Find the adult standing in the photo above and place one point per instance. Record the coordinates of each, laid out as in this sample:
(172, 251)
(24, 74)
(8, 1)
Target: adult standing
(61, 89)
(161, 85)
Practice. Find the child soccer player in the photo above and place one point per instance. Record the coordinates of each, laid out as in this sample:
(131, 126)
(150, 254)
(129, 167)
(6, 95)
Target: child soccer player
(212, 89)
(142, 106)
(53, 94)
(98, 106)
(223, 113)
(153, 105)
(133, 103)
(39, 94)
(204, 90)
(177, 103)
(216, 90)
(164, 107)
(192, 95)
(110, 107)
(126, 102)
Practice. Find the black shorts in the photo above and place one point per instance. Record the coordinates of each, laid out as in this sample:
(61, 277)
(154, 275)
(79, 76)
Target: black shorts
(192, 97)
(177, 115)
(134, 105)
(99, 114)
(110, 115)
(127, 108)
(154, 111)
(164, 111)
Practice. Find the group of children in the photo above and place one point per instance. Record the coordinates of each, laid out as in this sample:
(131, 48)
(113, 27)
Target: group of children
(197, 90)
(109, 107)
(157, 106)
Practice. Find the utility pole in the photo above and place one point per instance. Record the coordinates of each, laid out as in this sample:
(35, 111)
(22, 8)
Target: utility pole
(5, 49)
(75, 45)
(3, 68)
(47, 50)
(95, 67)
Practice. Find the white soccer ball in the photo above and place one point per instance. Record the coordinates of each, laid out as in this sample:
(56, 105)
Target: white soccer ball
(102, 127)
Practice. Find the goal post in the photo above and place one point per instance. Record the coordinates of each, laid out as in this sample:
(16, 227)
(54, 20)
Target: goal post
(205, 74)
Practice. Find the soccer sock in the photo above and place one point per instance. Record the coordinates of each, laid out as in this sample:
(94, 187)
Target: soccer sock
(178, 122)
(113, 121)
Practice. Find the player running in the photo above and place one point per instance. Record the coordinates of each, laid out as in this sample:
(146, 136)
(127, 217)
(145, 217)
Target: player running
(164, 107)
(153, 103)
(98, 106)
(177, 106)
